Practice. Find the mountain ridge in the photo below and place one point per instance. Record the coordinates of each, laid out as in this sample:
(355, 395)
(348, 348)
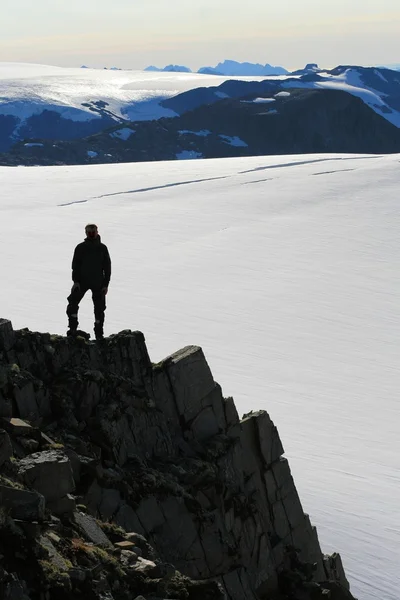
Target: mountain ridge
(23, 118)
(290, 122)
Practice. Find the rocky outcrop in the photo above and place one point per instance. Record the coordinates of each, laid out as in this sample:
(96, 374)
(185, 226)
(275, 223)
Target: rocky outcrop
(122, 478)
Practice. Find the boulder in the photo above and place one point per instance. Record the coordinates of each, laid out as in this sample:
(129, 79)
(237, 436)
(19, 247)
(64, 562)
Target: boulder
(49, 473)
(22, 504)
(91, 531)
(146, 567)
(53, 556)
(19, 428)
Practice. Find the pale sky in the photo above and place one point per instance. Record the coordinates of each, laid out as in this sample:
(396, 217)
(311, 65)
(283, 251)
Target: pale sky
(136, 33)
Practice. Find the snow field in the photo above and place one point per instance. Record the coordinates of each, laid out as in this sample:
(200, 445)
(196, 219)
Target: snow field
(285, 270)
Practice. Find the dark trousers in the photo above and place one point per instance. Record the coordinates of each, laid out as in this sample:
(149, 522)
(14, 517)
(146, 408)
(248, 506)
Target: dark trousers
(99, 302)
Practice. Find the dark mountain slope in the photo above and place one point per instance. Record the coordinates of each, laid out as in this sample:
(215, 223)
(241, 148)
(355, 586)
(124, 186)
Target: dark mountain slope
(384, 83)
(304, 121)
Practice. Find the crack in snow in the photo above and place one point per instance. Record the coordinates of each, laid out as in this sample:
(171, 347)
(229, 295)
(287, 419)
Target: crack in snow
(141, 190)
(331, 172)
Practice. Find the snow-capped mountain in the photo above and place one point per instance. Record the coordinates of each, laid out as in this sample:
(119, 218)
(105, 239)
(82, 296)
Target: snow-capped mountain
(53, 104)
(308, 69)
(169, 69)
(232, 67)
(286, 122)
(60, 103)
(395, 67)
(378, 88)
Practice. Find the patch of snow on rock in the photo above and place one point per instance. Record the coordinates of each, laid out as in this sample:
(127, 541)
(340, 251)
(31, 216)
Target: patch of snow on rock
(234, 141)
(201, 133)
(258, 101)
(221, 95)
(282, 94)
(92, 154)
(379, 74)
(33, 145)
(122, 134)
(188, 155)
(263, 100)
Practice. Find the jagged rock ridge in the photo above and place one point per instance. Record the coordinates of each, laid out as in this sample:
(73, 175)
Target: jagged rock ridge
(119, 477)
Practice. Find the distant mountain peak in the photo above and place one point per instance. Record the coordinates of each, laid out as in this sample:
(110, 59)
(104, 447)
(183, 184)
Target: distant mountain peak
(309, 69)
(169, 68)
(235, 68)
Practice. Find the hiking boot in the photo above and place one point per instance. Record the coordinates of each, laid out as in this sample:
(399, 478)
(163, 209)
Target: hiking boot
(98, 331)
(73, 325)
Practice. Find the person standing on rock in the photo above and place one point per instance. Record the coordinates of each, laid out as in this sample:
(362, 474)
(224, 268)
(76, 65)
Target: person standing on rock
(91, 270)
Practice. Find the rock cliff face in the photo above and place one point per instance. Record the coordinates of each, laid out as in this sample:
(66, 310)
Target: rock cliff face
(121, 479)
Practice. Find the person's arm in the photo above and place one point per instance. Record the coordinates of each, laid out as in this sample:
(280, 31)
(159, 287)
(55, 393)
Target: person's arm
(106, 267)
(76, 265)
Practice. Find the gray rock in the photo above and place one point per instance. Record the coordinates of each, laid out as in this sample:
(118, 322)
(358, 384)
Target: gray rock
(191, 380)
(150, 514)
(231, 414)
(19, 428)
(205, 424)
(216, 401)
(146, 567)
(49, 473)
(293, 508)
(334, 570)
(128, 557)
(237, 585)
(110, 503)
(90, 398)
(53, 556)
(29, 445)
(225, 497)
(7, 335)
(249, 456)
(270, 443)
(142, 547)
(5, 447)
(22, 504)
(280, 520)
(91, 530)
(128, 519)
(63, 506)
(24, 395)
(283, 477)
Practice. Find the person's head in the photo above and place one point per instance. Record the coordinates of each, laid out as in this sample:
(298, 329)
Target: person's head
(91, 231)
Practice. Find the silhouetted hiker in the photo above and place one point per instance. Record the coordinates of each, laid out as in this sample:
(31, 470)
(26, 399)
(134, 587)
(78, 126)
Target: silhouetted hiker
(91, 270)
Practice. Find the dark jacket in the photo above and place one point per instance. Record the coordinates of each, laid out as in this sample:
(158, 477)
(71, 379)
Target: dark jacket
(91, 264)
